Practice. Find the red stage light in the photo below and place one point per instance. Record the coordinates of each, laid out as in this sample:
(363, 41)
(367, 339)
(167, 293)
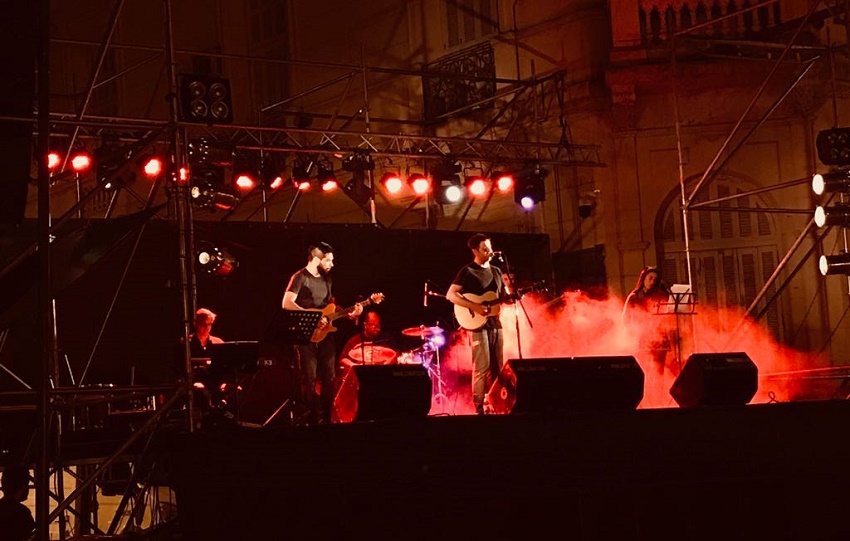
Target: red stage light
(53, 160)
(81, 162)
(392, 183)
(329, 185)
(303, 185)
(184, 174)
(477, 186)
(420, 184)
(153, 167)
(504, 183)
(276, 183)
(244, 183)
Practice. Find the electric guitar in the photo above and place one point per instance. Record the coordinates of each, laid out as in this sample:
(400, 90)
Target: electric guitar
(472, 321)
(331, 313)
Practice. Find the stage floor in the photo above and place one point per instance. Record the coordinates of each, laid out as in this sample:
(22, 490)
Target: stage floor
(775, 471)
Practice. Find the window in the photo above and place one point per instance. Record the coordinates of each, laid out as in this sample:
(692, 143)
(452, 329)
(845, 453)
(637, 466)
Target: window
(470, 20)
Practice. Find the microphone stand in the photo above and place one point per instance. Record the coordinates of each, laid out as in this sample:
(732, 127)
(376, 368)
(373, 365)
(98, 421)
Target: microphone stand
(516, 312)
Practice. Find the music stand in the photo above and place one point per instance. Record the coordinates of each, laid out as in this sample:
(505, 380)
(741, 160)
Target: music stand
(681, 301)
(291, 328)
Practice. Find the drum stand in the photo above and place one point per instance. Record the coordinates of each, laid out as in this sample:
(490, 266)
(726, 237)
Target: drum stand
(435, 372)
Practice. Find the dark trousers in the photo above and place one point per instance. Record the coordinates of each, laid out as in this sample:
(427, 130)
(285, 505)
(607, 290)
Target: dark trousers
(486, 361)
(318, 361)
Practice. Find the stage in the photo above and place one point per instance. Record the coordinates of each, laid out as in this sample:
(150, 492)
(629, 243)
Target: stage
(774, 471)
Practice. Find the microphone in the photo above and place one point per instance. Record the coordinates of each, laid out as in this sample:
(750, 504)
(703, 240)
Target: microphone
(496, 254)
(425, 296)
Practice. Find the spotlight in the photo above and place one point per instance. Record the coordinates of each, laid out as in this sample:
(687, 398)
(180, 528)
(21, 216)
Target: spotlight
(833, 181)
(530, 187)
(834, 264)
(504, 181)
(451, 193)
(215, 261)
(301, 175)
(419, 183)
(272, 170)
(205, 99)
(81, 162)
(53, 160)
(325, 175)
(835, 215)
(392, 182)
(152, 167)
(244, 183)
(208, 189)
(476, 186)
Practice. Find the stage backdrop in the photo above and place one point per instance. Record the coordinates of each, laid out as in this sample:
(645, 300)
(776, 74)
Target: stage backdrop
(135, 290)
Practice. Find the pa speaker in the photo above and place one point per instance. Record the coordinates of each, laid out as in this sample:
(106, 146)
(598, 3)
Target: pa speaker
(567, 383)
(374, 392)
(716, 379)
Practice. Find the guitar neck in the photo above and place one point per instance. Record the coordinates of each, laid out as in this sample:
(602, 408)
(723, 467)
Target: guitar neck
(340, 313)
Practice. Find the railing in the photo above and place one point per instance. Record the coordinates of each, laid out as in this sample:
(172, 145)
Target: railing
(746, 19)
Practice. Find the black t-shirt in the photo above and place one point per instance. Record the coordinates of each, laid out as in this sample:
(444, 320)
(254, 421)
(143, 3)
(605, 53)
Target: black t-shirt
(477, 280)
(310, 291)
(16, 522)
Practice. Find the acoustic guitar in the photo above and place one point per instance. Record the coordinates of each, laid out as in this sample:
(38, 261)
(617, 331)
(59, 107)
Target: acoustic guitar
(331, 313)
(472, 321)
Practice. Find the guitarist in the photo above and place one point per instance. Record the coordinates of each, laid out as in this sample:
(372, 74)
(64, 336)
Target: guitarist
(478, 278)
(310, 288)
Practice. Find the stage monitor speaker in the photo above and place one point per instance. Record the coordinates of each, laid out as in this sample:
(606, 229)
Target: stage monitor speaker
(567, 383)
(716, 379)
(375, 392)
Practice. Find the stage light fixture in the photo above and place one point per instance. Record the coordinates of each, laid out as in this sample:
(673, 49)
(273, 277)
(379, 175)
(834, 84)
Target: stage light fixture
(477, 186)
(504, 181)
(358, 162)
(244, 182)
(215, 261)
(833, 146)
(419, 183)
(53, 160)
(837, 214)
(272, 170)
(451, 193)
(152, 167)
(392, 183)
(446, 169)
(325, 175)
(202, 151)
(834, 264)
(301, 175)
(208, 190)
(530, 187)
(81, 162)
(833, 181)
(205, 99)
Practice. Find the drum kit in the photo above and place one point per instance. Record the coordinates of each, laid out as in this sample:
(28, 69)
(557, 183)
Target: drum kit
(427, 355)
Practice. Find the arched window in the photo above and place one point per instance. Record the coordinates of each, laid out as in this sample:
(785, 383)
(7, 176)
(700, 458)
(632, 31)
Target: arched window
(733, 253)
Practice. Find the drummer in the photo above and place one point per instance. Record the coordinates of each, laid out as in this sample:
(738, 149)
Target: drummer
(371, 345)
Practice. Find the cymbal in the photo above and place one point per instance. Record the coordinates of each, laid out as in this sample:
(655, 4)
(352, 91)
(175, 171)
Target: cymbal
(422, 331)
(371, 354)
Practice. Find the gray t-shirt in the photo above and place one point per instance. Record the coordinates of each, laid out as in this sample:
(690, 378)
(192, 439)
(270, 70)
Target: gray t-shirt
(310, 291)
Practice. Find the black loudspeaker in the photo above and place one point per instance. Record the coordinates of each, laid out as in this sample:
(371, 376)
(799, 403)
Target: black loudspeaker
(17, 96)
(567, 383)
(716, 379)
(373, 392)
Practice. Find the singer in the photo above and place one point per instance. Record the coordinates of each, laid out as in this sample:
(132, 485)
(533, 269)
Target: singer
(476, 279)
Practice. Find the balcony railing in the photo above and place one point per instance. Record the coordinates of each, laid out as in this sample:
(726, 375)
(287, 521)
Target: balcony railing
(659, 20)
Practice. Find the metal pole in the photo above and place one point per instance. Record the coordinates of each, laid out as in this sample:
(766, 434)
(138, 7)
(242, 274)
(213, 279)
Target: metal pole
(45, 294)
(678, 123)
(369, 172)
(182, 210)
